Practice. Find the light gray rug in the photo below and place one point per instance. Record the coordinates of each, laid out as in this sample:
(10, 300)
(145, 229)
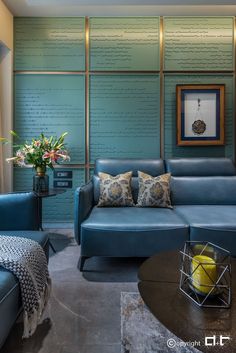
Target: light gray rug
(141, 332)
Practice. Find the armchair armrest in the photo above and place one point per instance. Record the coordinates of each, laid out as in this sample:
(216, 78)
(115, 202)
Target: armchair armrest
(82, 206)
(18, 211)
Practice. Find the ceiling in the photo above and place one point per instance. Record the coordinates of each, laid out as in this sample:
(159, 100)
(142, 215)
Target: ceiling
(120, 7)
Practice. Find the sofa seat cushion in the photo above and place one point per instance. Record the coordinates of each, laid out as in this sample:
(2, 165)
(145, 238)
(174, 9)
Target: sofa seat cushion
(132, 231)
(40, 237)
(209, 216)
(10, 302)
(8, 284)
(216, 224)
(133, 218)
(7, 280)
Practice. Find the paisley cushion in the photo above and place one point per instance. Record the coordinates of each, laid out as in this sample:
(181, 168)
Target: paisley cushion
(115, 190)
(154, 191)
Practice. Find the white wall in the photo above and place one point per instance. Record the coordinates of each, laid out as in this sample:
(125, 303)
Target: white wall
(6, 92)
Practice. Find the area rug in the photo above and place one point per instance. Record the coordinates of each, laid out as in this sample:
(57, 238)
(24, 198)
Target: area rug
(141, 332)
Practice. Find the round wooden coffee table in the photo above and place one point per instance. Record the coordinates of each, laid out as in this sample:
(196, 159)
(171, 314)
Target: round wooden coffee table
(159, 288)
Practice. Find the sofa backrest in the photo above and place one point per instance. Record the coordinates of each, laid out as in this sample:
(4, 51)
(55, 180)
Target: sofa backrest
(19, 211)
(202, 181)
(116, 166)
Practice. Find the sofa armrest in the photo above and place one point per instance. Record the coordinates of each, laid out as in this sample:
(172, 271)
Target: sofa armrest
(19, 211)
(82, 206)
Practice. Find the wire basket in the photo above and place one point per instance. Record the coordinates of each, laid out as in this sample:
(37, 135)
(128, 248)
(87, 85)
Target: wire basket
(205, 274)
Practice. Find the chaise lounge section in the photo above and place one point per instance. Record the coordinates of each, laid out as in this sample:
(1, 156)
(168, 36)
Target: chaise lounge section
(203, 193)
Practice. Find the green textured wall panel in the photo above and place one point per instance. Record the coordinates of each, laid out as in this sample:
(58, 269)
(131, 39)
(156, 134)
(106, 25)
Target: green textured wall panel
(198, 43)
(171, 149)
(44, 43)
(124, 108)
(58, 208)
(124, 116)
(124, 43)
(52, 104)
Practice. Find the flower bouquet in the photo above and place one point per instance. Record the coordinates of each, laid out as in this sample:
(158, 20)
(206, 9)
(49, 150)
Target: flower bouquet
(41, 153)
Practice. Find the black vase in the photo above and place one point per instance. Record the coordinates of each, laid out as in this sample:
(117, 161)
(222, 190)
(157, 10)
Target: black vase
(40, 180)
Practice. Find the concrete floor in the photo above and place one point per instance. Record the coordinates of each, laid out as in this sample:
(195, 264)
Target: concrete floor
(83, 314)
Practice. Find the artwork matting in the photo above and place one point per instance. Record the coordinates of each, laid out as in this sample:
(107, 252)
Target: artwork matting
(200, 114)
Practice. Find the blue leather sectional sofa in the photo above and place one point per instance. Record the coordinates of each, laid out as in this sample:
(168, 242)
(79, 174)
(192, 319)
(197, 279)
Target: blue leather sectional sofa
(19, 217)
(203, 193)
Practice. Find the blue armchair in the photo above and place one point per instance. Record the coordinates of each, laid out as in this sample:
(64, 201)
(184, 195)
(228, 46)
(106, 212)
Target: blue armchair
(18, 217)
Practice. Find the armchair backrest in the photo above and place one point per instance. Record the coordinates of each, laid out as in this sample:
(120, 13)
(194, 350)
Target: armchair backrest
(19, 211)
(202, 181)
(116, 166)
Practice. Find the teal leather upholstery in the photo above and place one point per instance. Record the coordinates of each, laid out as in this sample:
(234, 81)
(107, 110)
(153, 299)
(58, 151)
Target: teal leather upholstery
(18, 211)
(216, 224)
(116, 166)
(10, 304)
(215, 190)
(125, 231)
(18, 217)
(131, 231)
(203, 192)
(83, 203)
(210, 216)
(200, 167)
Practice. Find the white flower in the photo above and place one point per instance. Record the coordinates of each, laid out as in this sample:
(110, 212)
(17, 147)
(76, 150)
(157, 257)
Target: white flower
(28, 149)
(20, 162)
(20, 154)
(11, 159)
(64, 155)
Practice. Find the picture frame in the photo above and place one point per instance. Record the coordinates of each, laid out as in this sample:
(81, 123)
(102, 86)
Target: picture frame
(200, 114)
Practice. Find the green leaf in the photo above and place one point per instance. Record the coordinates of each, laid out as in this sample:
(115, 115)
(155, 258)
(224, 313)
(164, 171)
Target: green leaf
(13, 133)
(4, 140)
(64, 134)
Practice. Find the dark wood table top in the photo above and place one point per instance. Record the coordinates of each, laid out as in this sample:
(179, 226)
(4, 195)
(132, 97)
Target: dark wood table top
(159, 288)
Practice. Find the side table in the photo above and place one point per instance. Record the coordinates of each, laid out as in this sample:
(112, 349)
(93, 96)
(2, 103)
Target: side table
(40, 196)
(159, 288)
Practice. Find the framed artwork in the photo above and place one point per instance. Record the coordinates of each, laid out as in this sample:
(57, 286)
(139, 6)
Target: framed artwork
(200, 115)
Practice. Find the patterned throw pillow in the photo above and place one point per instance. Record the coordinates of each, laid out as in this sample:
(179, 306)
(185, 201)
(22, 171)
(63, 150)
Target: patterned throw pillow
(154, 191)
(115, 190)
